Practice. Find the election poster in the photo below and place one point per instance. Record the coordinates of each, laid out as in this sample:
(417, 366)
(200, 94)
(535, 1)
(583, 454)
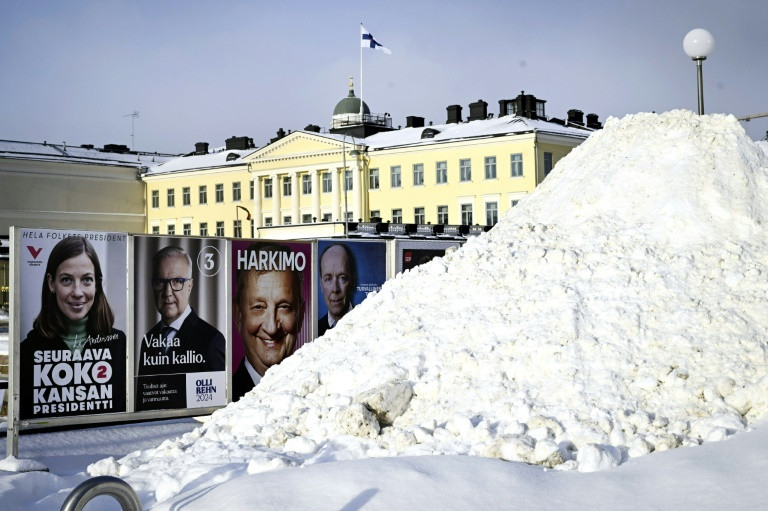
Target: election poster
(410, 254)
(346, 272)
(271, 306)
(180, 322)
(72, 320)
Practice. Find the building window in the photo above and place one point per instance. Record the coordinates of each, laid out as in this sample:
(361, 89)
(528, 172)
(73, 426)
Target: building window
(236, 192)
(171, 197)
(394, 176)
(466, 214)
(347, 180)
(326, 217)
(441, 168)
(251, 189)
(491, 213)
(373, 180)
(375, 213)
(268, 188)
(327, 182)
(513, 203)
(267, 221)
(465, 170)
(306, 184)
(349, 216)
(186, 229)
(155, 198)
(418, 174)
(219, 193)
(203, 194)
(238, 228)
(219, 228)
(306, 218)
(442, 215)
(517, 165)
(490, 167)
(418, 216)
(287, 220)
(155, 229)
(397, 216)
(547, 163)
(186, 199)
(253, 228)
(171, 229)
(203, 228)
(287, 189)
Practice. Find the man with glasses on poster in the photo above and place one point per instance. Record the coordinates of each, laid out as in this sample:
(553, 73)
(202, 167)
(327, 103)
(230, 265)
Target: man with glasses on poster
(181, 342)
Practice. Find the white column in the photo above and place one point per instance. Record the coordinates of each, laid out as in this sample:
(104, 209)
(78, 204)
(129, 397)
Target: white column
(277, 190)
(257, 216)
(316, 194)
(295, 195)
(356, 207)
(336, 203)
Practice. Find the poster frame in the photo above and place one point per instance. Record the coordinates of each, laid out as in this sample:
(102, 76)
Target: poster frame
(401, 245)
(320, 309)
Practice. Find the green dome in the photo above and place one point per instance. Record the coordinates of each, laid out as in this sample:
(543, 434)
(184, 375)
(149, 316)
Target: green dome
(350, 105)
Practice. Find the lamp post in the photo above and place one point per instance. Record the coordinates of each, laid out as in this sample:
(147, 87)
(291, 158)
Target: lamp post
(698, 44)
(237, 217)
(353, 152)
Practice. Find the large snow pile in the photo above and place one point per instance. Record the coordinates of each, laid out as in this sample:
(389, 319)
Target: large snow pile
(621, 309)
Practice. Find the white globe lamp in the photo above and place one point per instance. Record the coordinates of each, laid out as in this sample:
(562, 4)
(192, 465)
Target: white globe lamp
(698, 44)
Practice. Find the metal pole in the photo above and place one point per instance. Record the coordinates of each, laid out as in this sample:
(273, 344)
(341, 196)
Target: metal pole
(700, 81)
(344, 180)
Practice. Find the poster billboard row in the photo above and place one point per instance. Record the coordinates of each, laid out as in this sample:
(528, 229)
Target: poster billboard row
(112, 323)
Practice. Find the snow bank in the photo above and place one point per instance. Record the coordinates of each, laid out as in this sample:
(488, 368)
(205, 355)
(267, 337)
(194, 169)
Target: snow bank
(619, 310)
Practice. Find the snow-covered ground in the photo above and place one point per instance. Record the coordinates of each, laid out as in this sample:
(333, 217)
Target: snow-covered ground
(617, 313)
(729, 473)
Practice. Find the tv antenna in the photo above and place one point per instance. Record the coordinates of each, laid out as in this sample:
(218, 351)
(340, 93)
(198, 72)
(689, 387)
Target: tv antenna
(133, 117)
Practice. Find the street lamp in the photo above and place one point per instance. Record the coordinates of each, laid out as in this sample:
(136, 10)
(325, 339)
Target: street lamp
(355, 153)
(698, 44)
(237, 217)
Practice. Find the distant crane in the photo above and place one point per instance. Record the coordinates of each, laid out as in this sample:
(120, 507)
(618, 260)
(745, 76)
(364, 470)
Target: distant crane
(133, 117)
(750, 117)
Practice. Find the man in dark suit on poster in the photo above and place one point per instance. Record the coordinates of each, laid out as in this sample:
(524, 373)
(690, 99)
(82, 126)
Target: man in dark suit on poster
(338, 279)
(268, 313)
(181, 342)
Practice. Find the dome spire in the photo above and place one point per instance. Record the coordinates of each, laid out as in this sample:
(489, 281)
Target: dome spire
(351, 87)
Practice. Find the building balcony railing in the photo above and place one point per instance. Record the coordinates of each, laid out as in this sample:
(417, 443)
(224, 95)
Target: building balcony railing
(342, 121)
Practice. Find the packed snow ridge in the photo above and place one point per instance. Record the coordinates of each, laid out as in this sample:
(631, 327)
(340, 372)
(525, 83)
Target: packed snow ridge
(621, 309)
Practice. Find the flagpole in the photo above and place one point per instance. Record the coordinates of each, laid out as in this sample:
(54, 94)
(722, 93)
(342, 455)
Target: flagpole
(360, 43)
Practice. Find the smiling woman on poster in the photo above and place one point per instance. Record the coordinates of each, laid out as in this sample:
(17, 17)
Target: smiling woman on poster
(73, 360)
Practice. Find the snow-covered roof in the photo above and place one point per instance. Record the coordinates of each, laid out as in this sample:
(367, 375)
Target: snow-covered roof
(219, 157)
(505, 125)
(43, 151)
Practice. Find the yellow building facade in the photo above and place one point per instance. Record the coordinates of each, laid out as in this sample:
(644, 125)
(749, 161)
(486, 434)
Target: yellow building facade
(203, 194)
(305, 183)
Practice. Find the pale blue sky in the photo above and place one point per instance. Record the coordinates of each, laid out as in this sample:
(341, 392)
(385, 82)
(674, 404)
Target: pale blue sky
(203, 71)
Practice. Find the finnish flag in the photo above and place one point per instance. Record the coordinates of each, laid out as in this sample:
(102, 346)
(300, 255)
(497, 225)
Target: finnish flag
(368, 41)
